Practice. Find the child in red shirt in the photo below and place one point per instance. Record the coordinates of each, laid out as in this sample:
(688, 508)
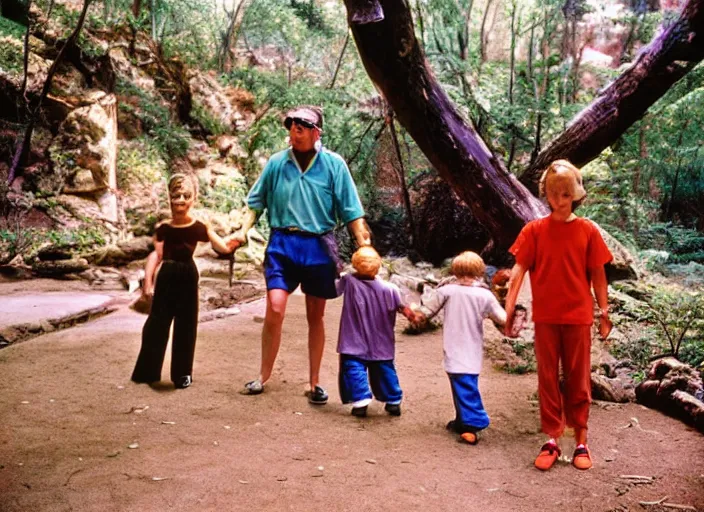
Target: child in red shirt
(565, 255)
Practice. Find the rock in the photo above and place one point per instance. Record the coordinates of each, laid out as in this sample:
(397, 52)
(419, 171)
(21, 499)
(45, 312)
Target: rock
(36, 71)
(56, 252)
(60, 267)
(197, 158)
(674, 388)
(636, 289)
(84, 154)
(119, 254)
(213, 105)
(603, 360)
(612, 389)
(623, 266)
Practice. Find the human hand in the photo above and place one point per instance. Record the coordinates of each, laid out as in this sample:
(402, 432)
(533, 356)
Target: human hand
(419, 319)
(508, 326)
(519, 321)
(233, 244)
(605, 326)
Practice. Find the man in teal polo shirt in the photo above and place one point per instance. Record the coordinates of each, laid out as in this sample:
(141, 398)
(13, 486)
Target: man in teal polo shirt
(305, 191)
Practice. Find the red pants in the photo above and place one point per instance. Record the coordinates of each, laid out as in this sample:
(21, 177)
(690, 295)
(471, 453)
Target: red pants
(570, 344)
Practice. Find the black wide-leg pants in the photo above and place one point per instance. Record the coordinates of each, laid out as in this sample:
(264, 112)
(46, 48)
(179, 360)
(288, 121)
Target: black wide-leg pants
(175, 299)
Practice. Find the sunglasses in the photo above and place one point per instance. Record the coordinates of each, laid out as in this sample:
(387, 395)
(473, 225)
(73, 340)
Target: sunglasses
(300, 122)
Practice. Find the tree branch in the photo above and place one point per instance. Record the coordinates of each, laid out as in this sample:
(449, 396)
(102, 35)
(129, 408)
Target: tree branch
(667, 58)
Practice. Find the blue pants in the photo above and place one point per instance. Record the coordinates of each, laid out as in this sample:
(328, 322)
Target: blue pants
(354, 382)
(470, 415)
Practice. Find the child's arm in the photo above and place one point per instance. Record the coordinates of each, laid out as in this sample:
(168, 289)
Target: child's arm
(153, 261)
(514, 286)
(601, 292)
(415, 317)
(220, 245)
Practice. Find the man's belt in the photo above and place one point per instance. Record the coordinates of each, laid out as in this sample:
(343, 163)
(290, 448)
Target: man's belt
(292, 230)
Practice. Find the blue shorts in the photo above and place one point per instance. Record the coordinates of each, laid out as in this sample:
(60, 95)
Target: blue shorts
(354, 383)
(470, 415)
(299, 258)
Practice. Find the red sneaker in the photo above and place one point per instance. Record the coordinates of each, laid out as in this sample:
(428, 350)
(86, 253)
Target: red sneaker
(547, 456)
(581, 458)
(469, 437)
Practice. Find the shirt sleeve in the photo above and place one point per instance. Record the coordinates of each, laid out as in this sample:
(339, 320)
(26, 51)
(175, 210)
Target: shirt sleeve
(202, 232)
(395, 300)
(598, 254)
(257, 198)
(437, 300)
(340, 285)
(160, 232)
(348, 207)
(524, 246)
(494, 310)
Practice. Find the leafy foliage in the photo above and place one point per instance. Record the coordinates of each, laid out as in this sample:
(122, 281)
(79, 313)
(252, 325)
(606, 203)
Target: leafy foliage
(679, 315)
(11, 29)
(229, 193)
(11, 57)
(171, 139)
(139, 162)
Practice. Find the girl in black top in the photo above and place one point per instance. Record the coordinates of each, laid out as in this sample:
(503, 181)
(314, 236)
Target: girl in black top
(176, 290)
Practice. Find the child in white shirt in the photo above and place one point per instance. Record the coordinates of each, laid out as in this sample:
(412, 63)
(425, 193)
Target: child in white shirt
(466, 304)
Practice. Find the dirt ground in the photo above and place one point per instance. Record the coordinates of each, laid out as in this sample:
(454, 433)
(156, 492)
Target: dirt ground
(77, 435)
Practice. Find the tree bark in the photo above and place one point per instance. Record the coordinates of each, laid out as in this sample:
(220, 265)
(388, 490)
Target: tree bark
(401, 171)
(667, 58)
(396, 64)
(25, 59)
(24, 144)
(229, 38)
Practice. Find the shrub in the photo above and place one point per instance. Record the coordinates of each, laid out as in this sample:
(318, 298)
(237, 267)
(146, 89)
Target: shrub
(171, 139)
(679, 317)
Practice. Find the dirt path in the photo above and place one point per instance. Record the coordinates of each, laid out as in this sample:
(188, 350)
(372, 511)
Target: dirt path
(69, 415)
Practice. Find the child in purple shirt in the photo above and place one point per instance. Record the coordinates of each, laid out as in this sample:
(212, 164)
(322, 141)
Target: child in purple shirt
(366, 341)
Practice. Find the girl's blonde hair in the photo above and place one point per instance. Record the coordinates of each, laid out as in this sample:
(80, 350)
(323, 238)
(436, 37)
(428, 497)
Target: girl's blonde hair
(468, 264)
(565, 171)
(366, 261)
(178, 180)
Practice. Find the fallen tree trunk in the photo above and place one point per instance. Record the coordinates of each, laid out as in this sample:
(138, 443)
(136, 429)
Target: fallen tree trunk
(668, 57)
(396, 64)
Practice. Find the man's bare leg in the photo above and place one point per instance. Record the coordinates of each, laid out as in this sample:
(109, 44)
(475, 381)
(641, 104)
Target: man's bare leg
(271, 332)
(315, 311)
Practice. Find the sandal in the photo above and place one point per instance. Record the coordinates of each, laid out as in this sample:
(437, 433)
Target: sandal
(581, 459)
(549, 453)
(254, 387)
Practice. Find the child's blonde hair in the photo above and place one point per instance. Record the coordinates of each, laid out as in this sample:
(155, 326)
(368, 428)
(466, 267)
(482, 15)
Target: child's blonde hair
(178, 180)
(366, 261)
(468, 264)
(564, 171)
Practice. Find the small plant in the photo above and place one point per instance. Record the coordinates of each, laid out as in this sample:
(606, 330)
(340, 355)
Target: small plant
(209, 123)
(638, 350)
(11, 55)
(677, 313)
